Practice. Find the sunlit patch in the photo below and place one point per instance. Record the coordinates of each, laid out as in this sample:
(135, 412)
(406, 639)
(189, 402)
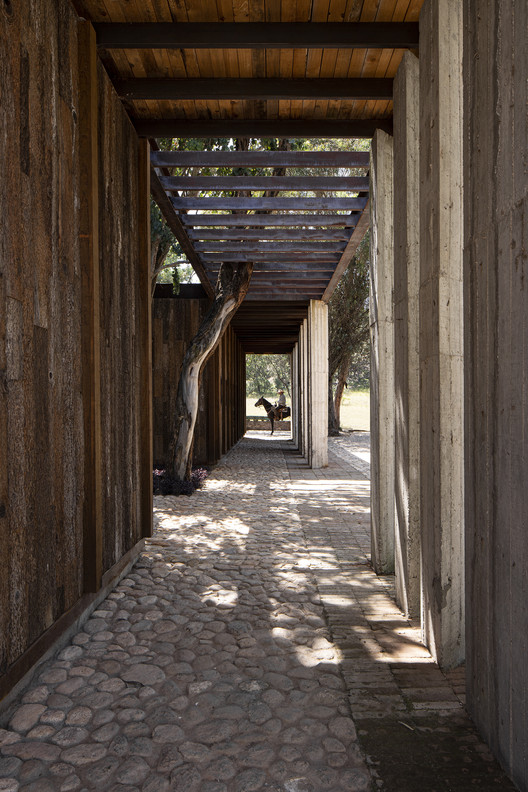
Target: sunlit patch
(221, 597)
(236, 525)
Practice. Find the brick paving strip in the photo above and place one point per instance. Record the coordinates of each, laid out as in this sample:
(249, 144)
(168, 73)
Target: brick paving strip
(234, 654)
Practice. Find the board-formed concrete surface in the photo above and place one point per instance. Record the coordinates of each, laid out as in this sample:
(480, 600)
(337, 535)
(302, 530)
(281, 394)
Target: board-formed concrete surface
(250, 648)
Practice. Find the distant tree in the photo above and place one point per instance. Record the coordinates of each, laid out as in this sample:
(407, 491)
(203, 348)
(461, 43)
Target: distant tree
(348, 328)
(267, 373)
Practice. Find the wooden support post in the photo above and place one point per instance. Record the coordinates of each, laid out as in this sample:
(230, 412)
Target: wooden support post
(90, 343)
(145, 322)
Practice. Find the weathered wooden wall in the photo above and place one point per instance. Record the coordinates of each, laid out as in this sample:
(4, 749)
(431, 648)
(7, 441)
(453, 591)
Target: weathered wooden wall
(221, 411)
(120, 341)
(41, 420)
(47, 425)
(496, 374)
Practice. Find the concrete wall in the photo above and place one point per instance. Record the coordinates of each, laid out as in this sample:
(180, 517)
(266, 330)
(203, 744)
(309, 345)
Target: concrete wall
(441, 334)
(382, 353)
(496, 375)
(72, 329)
(407, 335)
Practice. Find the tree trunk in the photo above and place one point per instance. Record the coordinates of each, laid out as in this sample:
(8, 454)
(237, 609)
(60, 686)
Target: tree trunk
(231, 288)
(342, 376)
(333, 423)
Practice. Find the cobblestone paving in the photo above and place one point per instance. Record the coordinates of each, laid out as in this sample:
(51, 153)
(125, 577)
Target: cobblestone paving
(233, 655)
(209, 668)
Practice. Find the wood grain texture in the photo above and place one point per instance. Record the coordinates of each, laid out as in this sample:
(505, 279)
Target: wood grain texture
(41, 421)
(121, 303)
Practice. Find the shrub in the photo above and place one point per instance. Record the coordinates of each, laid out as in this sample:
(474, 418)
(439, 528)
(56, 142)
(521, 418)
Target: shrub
(165, 484)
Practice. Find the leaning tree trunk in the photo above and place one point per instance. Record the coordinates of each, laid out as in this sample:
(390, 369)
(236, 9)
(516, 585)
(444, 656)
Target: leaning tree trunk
(231, 288)
(342, 376)
(333, 423)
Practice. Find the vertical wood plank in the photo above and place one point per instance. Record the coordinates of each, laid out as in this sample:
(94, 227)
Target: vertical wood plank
(145, 329)
(90, 345)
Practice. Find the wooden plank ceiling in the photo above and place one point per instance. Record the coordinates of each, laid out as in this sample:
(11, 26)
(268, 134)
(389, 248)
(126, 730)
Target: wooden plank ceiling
(259, 68)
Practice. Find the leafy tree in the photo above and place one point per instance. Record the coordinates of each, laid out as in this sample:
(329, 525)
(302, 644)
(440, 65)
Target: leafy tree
(265, 374)
(164, 249)
(348, 328)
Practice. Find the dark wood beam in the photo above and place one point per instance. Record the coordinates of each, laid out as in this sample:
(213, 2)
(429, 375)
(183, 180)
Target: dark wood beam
(251, 35)
(290, 183)
(275, 221)
(175, 90)
(288, 234)
(283, 295)
(260, 159)
(297, 268)
(255, 255)
(262, 128)
(349, 252)
(270, 204)
(269, 247)
(175, 225)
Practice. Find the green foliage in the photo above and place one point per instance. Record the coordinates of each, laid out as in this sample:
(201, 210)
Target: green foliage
(348, 314)
(265, 374)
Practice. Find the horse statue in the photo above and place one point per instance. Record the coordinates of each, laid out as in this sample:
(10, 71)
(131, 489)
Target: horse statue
(274, 413)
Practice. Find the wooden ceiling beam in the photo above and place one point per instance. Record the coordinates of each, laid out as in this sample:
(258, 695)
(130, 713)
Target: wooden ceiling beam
(290, 183)
(275, 221)
(261, 128)
(288, 234)
(283, 295)
(250, 35)
(242, 89)
(254, 255)
(269, 247)
(270, 204)
(260, 159)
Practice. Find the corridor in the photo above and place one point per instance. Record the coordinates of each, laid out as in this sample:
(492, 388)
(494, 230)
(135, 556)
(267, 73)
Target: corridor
(250, 648)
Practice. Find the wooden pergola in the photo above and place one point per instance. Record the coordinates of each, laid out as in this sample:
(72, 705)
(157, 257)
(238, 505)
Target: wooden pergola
(212, 70)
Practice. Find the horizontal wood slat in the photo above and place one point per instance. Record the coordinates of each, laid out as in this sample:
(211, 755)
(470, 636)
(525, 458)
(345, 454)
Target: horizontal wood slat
(290, 183)
(260, 159)
(288, 234)
(269, 247)
(269, 204)
(348, 220)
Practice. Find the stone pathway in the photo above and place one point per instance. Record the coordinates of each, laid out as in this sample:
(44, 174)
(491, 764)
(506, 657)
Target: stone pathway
(250, 648)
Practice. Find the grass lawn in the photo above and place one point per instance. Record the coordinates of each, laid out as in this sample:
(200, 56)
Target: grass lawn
(355, 409)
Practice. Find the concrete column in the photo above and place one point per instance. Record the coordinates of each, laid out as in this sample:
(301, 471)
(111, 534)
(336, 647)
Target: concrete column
(407, 334)
(496, 375)
(382, 354)
(295, 395)
(441, 330)
(304, 388)
(318, 383)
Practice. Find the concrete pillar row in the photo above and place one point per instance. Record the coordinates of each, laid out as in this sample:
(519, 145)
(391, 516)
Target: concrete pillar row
(407, 334)
(382, 353)
(441, 330)
(318, 383)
